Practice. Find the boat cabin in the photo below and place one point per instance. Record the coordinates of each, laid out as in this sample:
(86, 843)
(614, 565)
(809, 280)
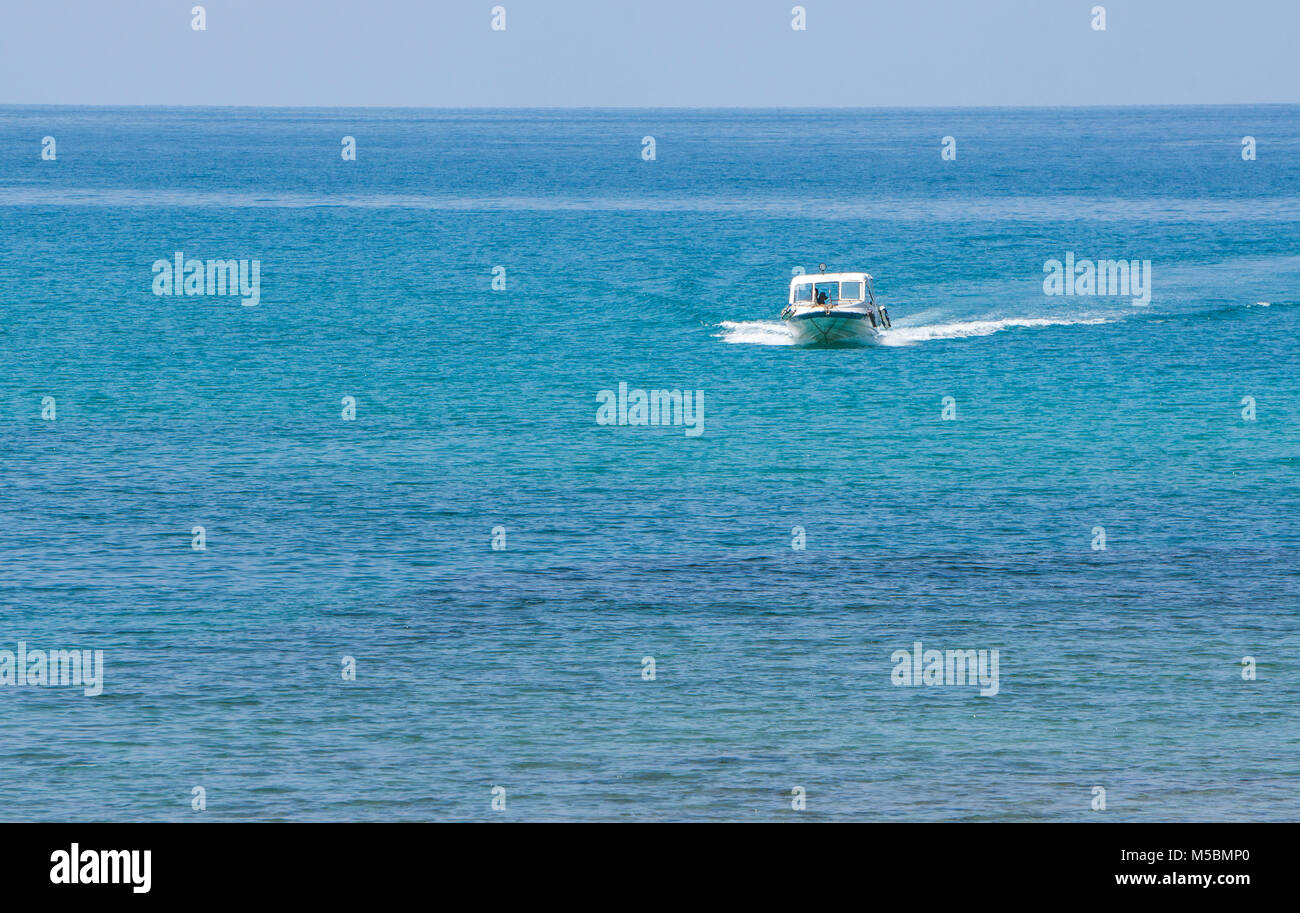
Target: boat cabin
(832, 289)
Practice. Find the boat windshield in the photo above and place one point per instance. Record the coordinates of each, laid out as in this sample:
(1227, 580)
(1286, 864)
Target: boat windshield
(830, 291)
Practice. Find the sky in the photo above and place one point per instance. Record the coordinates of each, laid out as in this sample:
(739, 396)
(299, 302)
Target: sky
(649, 53)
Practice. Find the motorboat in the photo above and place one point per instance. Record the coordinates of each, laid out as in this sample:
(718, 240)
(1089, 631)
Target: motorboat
(834, 309)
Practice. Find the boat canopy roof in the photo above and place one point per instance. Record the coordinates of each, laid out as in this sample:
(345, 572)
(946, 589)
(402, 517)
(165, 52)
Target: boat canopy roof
(807, 278)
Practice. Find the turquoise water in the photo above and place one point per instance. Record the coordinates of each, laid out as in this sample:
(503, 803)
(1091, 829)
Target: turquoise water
(475, 408)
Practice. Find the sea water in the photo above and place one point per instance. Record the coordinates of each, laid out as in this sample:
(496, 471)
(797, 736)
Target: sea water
(363, 550)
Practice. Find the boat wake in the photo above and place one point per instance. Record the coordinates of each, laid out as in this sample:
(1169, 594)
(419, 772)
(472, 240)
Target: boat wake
(907, 336)
(774, 332)
(755, 332)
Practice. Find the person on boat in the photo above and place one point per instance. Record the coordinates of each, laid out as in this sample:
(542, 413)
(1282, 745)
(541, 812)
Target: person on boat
(821, 296)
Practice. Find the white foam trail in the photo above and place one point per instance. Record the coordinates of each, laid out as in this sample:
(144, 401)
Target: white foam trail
(755, 332)
(906, 336)
(774, 332)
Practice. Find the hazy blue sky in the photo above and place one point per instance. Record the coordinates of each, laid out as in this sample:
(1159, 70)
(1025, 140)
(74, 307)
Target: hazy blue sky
(649, 52)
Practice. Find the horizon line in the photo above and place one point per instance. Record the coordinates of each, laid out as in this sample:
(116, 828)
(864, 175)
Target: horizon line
(935, 107)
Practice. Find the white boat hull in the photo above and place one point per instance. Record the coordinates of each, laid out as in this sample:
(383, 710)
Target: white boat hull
(813, 328)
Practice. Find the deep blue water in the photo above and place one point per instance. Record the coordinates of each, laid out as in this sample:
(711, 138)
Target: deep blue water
(476, 408)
